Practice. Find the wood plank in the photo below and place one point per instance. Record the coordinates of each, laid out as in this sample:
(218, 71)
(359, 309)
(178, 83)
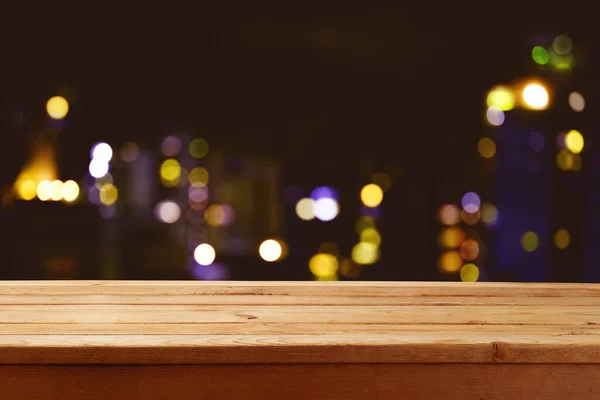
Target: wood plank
(301, 382)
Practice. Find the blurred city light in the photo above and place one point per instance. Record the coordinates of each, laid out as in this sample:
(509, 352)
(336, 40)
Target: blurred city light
(167, 211)
(486, 147)
(489, 214)
(129, 152)
(215, 215)
(451, 238)
(471, 202)
(98, 168)
(371, 195)
(270, 250)
(449, 214)
(540, 55)
(197, 194)
(371, 235)
(70, 191)
(323, 265)
(305, 209)
(103, 180)
(56, 189)
(363, 223)
(108, 194)
(495, 116)
(383, 180)
(44, 190)
(529, 241)
(326, 209)
(562, 239)
(576, 101)
(562, 45)
(171, 146)
(329, 248)
(170, 170)
(535, 96)
(102, 152)
(470, 218)
(565, 160)
(469, 273)
(323, 192)
(574, 141)
(57, 107)
(450, 261)
(365, 253)
(198, 148)
(198, 177)
(204, 254)
(502, 98)
(26, 189)
(349, 268)
(469, 250)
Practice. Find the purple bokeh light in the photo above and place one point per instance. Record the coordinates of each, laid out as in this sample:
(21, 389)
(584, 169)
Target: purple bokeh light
(324, 192)
(471, 202)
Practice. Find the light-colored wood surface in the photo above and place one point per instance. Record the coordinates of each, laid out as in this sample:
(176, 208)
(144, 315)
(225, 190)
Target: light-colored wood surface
(74, 322)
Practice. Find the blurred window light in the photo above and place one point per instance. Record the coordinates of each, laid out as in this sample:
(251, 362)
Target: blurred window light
(204, 254)
(486, 147)
(536, 141)
(371, 235)
(57, 107)
(56, 188)
(170, 170)
(129, 152)
(471, 202)
(44, 190)
(171, 146)
(540, 55)
(108, 194)
(98, 168)
(450, 261)
(365, 253)
(102, 151)
(451, 238)
(576, 101)
(167, 211)
(495, 116)
(449, 214)
(270, 250)
(70, 191)
(469, 273)
(530, 241)
(323, 265)
(198, 148)
(26, 189)
(324, 192)
(198, 177)
(562, 45)
(383, 180)
(305, 209)
(363, 223)
(574, 141)
(535, 96)
(469, 250)
(562, 239)
(326, 209)
(371, 195)
(502, 98)
(329, 248)
(489, 214)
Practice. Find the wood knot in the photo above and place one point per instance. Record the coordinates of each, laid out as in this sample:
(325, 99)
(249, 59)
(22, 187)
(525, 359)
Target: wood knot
(498, 351)
(247, 316)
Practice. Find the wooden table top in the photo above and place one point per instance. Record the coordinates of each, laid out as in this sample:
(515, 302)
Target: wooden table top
(186, 322)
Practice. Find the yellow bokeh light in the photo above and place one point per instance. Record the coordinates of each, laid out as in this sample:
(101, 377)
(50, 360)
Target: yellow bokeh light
(469, 273)
(70, 191)
(199, 148)
(383, 180)
(469, 250)
(451, 238)
(574, 141)
(489, 214)
(170, 170)
(323, 265)
(363, 223)
(449, 214)
(562, 239)
(565, 160)
(305, 208)
(486, 147)
(365, 253)
(198, 177)
(215, 215)
(450, 262)
(371, 195)
(56, 190)
(530, 241)
(329, 248)
(270, 250)
(26, 189)
(108, 194)
(501, 97)
(57, 107)
(349, 268)
(371, 235)
(44, 190)
(535, 96)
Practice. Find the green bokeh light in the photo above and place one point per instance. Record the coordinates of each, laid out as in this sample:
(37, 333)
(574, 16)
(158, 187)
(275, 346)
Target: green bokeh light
(199, 148)
(540, 55)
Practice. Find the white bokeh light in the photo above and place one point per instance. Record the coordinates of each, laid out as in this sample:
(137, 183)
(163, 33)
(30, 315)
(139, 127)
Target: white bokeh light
(326, 209)
(270, 250)
(98, 168)
(204, 254)
(102, 151)
(167, 211)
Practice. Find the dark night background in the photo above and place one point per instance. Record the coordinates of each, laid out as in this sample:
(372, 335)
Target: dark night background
(321, 91)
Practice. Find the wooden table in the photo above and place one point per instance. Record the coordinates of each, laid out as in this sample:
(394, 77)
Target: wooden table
(298, 340)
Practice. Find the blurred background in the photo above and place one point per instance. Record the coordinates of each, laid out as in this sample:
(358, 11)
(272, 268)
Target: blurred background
(346, 142)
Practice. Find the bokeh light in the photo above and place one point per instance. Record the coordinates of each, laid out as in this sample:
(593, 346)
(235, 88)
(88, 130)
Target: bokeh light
(489, 214)
(469, 273)
(576, 101)
(562, 239)
(129, 152)
(449, 214)
(170, 170)
(270, 250)
(103, 180)
(565, 160)
(56, 190)
(26, 189)
(530, 241)
(102, 151)
(198, 148)
(44, 190)
(198, 177)
(486, 147)
(349, 268)
(197, 194)
(323, 265)
(305, 209)
(562, 45)
(371, 235)
(108, 194)
(204, 254)
(167, 211)
(574, 141)
(502, 98)
(470, 218)
(98, 168)
(170, 146)
(324, 192)
(57, 107)
(495, 116)
(451, 238)
(363, 223)
(471, 202)
(329, 248)
(365, 253)
(215, 215)
(535, 96)
(469, 250)
(540, 55)
(450, 261)
(536, 141)
(371, 195)
(326, 209)
(383, 180)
